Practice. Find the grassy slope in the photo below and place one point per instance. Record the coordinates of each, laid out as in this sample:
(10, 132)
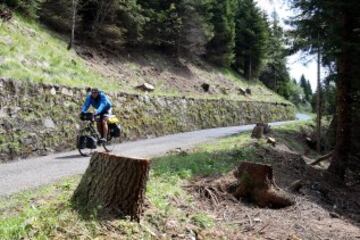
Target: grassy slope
(30, 52)
(47, 212)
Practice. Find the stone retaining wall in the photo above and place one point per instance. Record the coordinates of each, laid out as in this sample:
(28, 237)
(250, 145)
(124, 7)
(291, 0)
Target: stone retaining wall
(36, 119)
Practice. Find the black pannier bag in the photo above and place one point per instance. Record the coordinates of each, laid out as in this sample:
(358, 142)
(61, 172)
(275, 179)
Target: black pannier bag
(115, 130)
(86, 142)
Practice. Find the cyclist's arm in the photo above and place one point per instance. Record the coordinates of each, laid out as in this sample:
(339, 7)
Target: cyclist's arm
(86, 105)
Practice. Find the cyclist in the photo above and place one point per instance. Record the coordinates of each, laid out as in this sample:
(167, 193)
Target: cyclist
(101, 102)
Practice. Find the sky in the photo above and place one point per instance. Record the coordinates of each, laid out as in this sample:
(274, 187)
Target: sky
(295, 63)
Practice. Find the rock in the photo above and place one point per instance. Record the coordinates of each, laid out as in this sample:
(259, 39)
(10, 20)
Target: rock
(27, 141)
(67, 92)
(146, 87)
(248, 91)
(49, 123)
(53, 91)
(205, 87)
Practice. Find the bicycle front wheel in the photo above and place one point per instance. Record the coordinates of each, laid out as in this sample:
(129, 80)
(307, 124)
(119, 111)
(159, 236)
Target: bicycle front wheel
(86, 152)
(108, 145)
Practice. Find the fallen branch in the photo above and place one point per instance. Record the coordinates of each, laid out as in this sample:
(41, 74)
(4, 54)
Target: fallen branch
(322, 158)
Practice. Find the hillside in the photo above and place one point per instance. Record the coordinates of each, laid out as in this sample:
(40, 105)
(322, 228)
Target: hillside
(30, 52)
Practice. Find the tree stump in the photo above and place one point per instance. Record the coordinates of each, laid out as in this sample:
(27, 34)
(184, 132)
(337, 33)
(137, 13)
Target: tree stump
(146, 87)
(242, 91)
(258, 131)
(114, 186)
(205, 87)
(267, 128)
(256, 183)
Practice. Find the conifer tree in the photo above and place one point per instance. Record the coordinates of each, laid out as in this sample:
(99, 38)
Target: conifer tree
(220, 49)
(251, 38)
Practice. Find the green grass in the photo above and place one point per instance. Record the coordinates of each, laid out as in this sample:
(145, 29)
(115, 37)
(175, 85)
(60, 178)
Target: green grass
(31, 53)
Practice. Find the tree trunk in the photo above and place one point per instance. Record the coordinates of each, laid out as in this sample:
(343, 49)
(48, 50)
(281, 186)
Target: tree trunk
(256, 183)
(72, 37)
(318, 101)
(331, 134)
(341, 153)
(113, 186)
(250, 69)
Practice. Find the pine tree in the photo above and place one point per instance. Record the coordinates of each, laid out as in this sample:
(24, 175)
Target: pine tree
(275, 74)
(305, 84)
(197, 29)
(220, 49)
(251, 38)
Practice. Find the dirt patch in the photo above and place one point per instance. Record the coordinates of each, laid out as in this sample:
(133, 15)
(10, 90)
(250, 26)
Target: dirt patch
(323, 209)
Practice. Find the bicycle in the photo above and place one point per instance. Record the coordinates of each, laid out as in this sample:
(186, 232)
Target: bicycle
(89, 139)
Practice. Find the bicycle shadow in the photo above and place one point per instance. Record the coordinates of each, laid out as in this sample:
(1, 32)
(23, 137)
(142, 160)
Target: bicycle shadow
(69, 157)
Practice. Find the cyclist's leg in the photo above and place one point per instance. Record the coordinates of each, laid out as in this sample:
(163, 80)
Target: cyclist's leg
(105, 125)
(102, 124)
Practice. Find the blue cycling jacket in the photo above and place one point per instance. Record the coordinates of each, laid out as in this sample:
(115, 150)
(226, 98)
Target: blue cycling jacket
(101, 103)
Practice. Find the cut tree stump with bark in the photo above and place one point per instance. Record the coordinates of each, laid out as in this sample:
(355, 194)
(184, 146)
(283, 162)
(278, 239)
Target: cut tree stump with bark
(260, 129)
(256, 183)
(114, 186)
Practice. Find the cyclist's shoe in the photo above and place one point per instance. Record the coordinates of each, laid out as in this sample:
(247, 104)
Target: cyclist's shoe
(102, 140)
